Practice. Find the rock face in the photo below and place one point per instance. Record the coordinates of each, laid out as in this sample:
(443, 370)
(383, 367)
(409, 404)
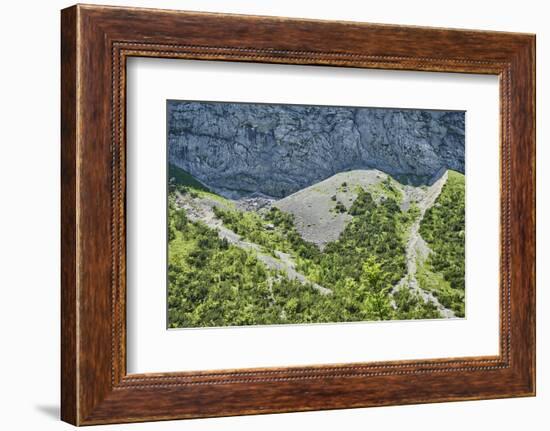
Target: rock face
(238, 149)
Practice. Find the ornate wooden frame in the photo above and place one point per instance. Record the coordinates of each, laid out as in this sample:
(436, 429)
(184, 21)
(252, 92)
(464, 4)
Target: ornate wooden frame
(95, 43)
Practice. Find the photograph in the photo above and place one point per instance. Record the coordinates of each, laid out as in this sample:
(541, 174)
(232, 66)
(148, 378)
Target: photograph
(275, 215)
(305, 214)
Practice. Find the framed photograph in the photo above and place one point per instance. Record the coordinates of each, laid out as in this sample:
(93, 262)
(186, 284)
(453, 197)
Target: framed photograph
(263, 214)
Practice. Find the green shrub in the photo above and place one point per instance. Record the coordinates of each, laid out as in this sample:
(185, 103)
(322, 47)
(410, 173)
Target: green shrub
(443, 228)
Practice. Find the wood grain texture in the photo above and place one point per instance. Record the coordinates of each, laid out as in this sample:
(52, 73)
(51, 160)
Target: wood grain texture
(96, 41)
(69, 366)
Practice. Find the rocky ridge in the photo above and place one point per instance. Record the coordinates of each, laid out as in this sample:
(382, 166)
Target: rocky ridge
(313, 208)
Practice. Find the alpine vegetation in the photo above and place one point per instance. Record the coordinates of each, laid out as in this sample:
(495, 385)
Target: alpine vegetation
(292, 214)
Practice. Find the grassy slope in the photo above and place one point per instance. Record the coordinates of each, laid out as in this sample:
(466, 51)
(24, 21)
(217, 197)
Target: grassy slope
(359, 268)
(183, 178)
(373, 242)
(443, 228)
(212, 283)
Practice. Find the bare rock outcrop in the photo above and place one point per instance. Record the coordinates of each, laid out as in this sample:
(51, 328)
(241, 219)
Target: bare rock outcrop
(276, 150)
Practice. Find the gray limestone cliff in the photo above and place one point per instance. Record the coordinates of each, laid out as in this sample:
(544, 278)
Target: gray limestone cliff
(239, 149)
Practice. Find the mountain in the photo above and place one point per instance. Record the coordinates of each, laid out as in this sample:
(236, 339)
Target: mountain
(307, 214)
(322, 212)
(359, 245)
(277, 150)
